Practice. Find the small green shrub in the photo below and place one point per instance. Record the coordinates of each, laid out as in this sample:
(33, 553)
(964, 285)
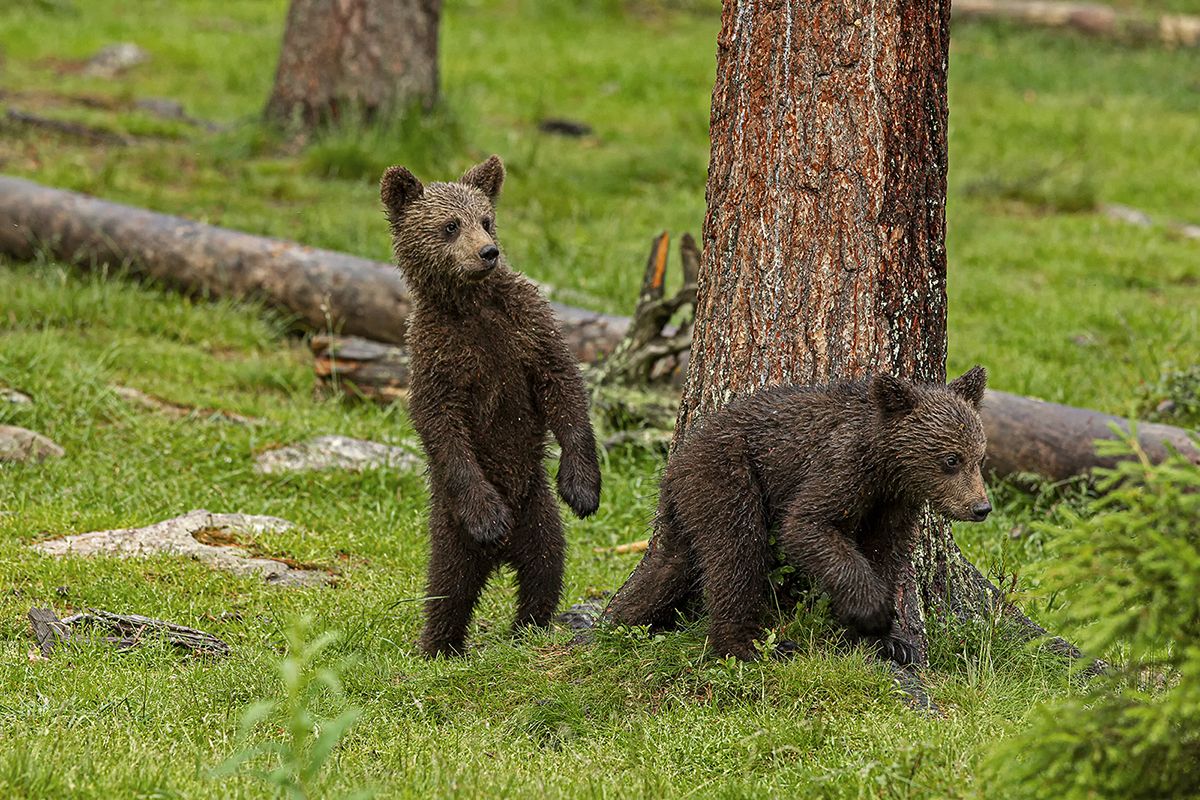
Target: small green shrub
(1131, 568)
(292, 765)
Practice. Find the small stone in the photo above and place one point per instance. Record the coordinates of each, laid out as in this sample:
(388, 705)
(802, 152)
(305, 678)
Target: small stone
(115, 59)
(21, 445)
(335, 452)
(15, 397)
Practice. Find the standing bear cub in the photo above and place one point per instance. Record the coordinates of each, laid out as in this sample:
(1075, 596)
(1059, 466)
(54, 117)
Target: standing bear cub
(490, 374)
(838, 474)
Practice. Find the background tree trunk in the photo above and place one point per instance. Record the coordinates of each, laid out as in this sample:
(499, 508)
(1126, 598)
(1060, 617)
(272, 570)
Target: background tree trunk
(355, 57)
(824, 242)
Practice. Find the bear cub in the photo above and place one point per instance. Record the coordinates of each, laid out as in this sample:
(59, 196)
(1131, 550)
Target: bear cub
(490, 375)
(838, 475)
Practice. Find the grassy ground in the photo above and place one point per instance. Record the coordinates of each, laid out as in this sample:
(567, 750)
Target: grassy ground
(1057, 300)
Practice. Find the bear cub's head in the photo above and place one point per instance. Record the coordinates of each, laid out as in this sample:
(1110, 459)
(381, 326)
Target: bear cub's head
(934, 438)
(444, 234)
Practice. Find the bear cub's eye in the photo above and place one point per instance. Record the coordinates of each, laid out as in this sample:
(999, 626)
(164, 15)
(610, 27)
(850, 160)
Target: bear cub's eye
(451, 227)
(951, 462)
(487, 224)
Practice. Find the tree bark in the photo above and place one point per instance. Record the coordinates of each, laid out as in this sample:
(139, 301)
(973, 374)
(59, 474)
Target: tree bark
(357, 57)
(824, 241)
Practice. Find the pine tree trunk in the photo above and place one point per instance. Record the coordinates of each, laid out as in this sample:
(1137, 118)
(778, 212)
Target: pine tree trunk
(358, 57)
(824, 242)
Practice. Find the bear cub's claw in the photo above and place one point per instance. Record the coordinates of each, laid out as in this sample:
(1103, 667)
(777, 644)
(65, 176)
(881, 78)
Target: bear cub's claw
(579, 486)
(886, 647)
(896, 650)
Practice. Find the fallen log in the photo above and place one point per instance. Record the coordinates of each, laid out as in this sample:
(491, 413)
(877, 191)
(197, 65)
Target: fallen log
(1091, 19)
(318, 290)
(324, 291)
(129, 630)
(1058, 442)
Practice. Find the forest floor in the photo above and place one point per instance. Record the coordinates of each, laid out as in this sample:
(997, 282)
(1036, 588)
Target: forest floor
(1056, 298)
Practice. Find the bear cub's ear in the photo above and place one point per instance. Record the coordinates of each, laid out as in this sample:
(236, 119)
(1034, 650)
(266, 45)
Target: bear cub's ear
(970, 385)
(397, 189)
(487, 177)
(893, 395)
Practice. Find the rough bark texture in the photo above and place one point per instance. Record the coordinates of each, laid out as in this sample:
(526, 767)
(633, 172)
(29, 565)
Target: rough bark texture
(823, 253)
(359, 57)
(1091, 19)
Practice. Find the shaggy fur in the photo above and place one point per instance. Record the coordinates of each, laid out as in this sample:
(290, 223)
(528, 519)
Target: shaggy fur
(839, 474)
(490, 376)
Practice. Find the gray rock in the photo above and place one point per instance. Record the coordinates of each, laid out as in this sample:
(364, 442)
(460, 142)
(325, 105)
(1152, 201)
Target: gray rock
(335, 452)
(115, 59)
(204, 536)
(13, 396)
(21, 445)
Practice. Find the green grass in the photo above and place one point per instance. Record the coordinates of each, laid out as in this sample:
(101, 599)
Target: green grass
(1056, 300)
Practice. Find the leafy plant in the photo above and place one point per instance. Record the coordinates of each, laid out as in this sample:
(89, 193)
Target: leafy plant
(1131, 565)
(293, 763)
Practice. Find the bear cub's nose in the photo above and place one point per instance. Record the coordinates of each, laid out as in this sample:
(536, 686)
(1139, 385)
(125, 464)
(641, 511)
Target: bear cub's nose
(980, 511)
(489, 254)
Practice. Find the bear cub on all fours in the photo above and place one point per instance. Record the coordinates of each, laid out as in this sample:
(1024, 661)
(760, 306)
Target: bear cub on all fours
(490, 375)
(838, 474)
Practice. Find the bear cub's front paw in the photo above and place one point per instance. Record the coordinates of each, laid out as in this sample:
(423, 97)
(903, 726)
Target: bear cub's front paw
(869, 620)
(579, 484)
(486, 517)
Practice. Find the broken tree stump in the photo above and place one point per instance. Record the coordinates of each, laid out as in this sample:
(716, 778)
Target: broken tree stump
(48, 630)
(649, 351)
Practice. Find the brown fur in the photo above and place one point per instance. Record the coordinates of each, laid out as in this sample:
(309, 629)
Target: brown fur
(838, 473)
(490, 376)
